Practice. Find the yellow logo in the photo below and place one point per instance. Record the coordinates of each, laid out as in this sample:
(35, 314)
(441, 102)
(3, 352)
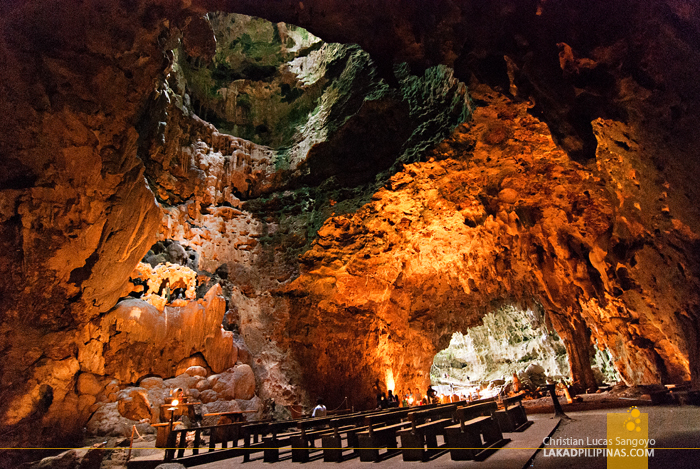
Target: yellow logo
(628, 440)
(633, 422)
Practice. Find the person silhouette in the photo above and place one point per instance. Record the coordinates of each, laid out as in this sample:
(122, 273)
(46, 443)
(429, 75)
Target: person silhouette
(320, 409)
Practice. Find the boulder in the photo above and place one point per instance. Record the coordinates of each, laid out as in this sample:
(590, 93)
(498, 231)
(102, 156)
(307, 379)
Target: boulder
(183, 381)
(133, 404)
(152, 382)
(213, 379)
(93, 458)
(202, 385)
(508, 196)
(251, 404)
(244, 382)
(106, 421)
(112, 387)
(208, 396)
(177, 253)
(196, 371)
(67, 460)
(85, 401)
(224, 385)
(194, 360)
(216, 407)
(88, 384)
(535, 374)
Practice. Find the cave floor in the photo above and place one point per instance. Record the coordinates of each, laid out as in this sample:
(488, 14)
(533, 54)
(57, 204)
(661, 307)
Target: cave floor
(675, 429)
(514, 455)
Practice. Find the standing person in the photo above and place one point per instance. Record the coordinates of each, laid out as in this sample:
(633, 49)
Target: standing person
(391, 400)
(383, 403)
(320, 409)
(432, 395)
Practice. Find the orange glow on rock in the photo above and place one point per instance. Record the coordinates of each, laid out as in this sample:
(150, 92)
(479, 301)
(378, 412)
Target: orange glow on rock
(390, 385)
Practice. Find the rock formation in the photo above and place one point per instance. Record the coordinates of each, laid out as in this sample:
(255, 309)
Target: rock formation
(508, 342)
(359, 240)
(499, 215)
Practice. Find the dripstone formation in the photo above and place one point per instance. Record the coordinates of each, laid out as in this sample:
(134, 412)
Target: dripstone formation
(460, 157)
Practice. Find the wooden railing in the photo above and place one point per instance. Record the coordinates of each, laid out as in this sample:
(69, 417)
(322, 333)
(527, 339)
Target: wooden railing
(177, 440)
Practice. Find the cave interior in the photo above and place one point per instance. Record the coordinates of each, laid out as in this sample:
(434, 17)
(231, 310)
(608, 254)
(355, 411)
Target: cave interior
(279, 201)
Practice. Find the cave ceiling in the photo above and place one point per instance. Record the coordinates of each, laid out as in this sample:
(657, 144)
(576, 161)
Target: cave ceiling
(565, 180)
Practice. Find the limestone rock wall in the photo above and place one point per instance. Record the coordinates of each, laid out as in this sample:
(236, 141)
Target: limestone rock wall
(253, 208)
(66, 376)
(76, 212)
(500, 215)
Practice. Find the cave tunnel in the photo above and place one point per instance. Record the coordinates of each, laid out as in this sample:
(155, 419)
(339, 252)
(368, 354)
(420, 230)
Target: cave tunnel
(272, 202)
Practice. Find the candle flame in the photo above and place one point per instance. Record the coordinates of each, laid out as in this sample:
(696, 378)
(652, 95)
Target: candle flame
(175, 402)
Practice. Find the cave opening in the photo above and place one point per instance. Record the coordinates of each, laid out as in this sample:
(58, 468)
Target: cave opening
(511, 342)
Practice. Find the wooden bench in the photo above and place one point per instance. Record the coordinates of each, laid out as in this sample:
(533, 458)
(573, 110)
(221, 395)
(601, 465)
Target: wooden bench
(426, 425)
(252, 434)
(277, 435)
(298, 439)
(476, 422)
(512, 418)
(309, 431)
(327, 427)
(381, 433)
(346, 427)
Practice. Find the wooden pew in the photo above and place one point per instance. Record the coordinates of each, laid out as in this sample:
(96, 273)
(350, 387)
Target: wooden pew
(309, 431)
(333, 443)
(348, 426)
(381, 433)
(278, 435)
(312, 429)
(426, 425)
(282, 435)
(252, 434)
(274, 435)
(267, 436)
(512, 418)
(476, 421)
